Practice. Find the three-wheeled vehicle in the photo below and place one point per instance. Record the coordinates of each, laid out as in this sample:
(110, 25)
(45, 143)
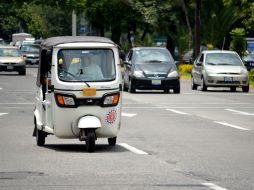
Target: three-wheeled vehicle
(78, 90)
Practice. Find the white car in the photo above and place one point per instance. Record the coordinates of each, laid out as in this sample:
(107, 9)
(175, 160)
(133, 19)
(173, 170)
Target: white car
(219, 68)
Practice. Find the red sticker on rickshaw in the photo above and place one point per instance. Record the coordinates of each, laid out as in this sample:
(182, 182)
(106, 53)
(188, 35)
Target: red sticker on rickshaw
(111, 117)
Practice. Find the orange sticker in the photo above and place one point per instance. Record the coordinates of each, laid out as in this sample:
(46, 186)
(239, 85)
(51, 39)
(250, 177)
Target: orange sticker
(89, 91)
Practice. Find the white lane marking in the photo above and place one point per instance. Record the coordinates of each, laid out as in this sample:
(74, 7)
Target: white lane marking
(3, 114)
(128, 114)
(179, 112)
(240, 112)
(213, 186)
(132, 149)
(18, 103)
(233, 126)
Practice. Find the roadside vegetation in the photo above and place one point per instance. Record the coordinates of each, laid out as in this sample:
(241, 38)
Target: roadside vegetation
(133, 22)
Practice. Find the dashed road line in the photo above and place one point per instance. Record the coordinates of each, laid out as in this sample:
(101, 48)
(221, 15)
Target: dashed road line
(240, 112)
(18, 103)
(132, 149)
(128, 114)
(232, 126)
(3, 114)
(213, 186)
(178, 112)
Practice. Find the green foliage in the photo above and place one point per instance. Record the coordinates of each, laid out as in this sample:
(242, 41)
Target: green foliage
(238, 41)
(251, 75)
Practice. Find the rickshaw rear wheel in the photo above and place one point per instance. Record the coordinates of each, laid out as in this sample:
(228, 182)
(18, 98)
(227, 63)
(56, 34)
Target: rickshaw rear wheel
(112, 141)
(90, 141)
(40, 137)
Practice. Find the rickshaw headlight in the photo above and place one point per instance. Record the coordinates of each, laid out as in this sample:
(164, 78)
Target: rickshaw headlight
(111, 99)
(65, 100)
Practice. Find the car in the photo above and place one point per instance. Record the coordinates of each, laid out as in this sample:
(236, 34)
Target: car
(31, 53)
(187, 57)
(150, 68)
(249, 61)
(11, 59)
(219, 68)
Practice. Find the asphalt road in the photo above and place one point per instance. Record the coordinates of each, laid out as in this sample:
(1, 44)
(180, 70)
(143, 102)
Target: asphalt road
(189, 141)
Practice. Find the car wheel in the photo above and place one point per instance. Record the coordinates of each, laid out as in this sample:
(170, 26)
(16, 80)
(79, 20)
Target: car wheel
(40, 137)
(131, 88)
(176, 90)
(246, 88)
(22, 72)
(90, 141)
(193, 85)
(166, 90)
(203, 85)
(112, 141)
(232, 88)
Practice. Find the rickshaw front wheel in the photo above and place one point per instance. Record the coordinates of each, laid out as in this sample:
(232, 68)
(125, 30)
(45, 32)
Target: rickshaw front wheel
(40, 137)
(90, 141)
(112, 141)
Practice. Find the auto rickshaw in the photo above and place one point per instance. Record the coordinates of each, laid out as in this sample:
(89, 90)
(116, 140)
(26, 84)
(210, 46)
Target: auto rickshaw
(79, 90)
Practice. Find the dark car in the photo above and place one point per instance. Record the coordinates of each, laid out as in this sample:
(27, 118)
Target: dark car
(149, 68)
(248, 61)
(31, 53)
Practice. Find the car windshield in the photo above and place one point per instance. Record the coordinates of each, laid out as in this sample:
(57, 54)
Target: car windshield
(249, 57)
(30, 48)
(152, 56)
(86, 65)
(9, 52)
(223, 59)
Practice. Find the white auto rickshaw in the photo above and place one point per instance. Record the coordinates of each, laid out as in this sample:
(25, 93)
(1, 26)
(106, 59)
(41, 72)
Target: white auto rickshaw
(78, 90)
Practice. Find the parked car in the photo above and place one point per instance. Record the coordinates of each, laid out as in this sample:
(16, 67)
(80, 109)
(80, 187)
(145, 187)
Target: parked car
(249, 61)
(150, 68)
(11, 59)
(31, 53)
(219, 68)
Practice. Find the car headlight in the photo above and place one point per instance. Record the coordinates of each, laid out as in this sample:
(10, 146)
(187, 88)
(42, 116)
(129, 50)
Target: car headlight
(138, 73)
(244, 70)
(110, 99)
(173, 72)
(65, 100)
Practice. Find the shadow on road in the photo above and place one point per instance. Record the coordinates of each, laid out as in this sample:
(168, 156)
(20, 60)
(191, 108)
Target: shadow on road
(78, 148)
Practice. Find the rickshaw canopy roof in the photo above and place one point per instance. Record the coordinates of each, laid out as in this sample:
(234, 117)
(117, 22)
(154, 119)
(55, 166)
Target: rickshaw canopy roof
(48, 44)
(54, 41)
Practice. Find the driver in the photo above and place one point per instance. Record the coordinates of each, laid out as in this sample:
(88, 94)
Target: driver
(90, 67)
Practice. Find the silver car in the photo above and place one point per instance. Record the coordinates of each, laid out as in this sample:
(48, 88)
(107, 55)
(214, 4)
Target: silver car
(11, 59)
(219, 68)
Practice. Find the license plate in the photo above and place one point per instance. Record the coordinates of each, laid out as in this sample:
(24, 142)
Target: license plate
(89, 91)
(156, 82)
(228, 79)
(9, 67)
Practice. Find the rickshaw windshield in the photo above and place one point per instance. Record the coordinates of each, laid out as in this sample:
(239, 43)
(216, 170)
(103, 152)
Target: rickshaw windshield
(86, 65)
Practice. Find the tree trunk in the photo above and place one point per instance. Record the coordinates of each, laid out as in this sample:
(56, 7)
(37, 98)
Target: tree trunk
(187, 21)
(116, 34)
(145, 32)
(197, 28)
(171, 46)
